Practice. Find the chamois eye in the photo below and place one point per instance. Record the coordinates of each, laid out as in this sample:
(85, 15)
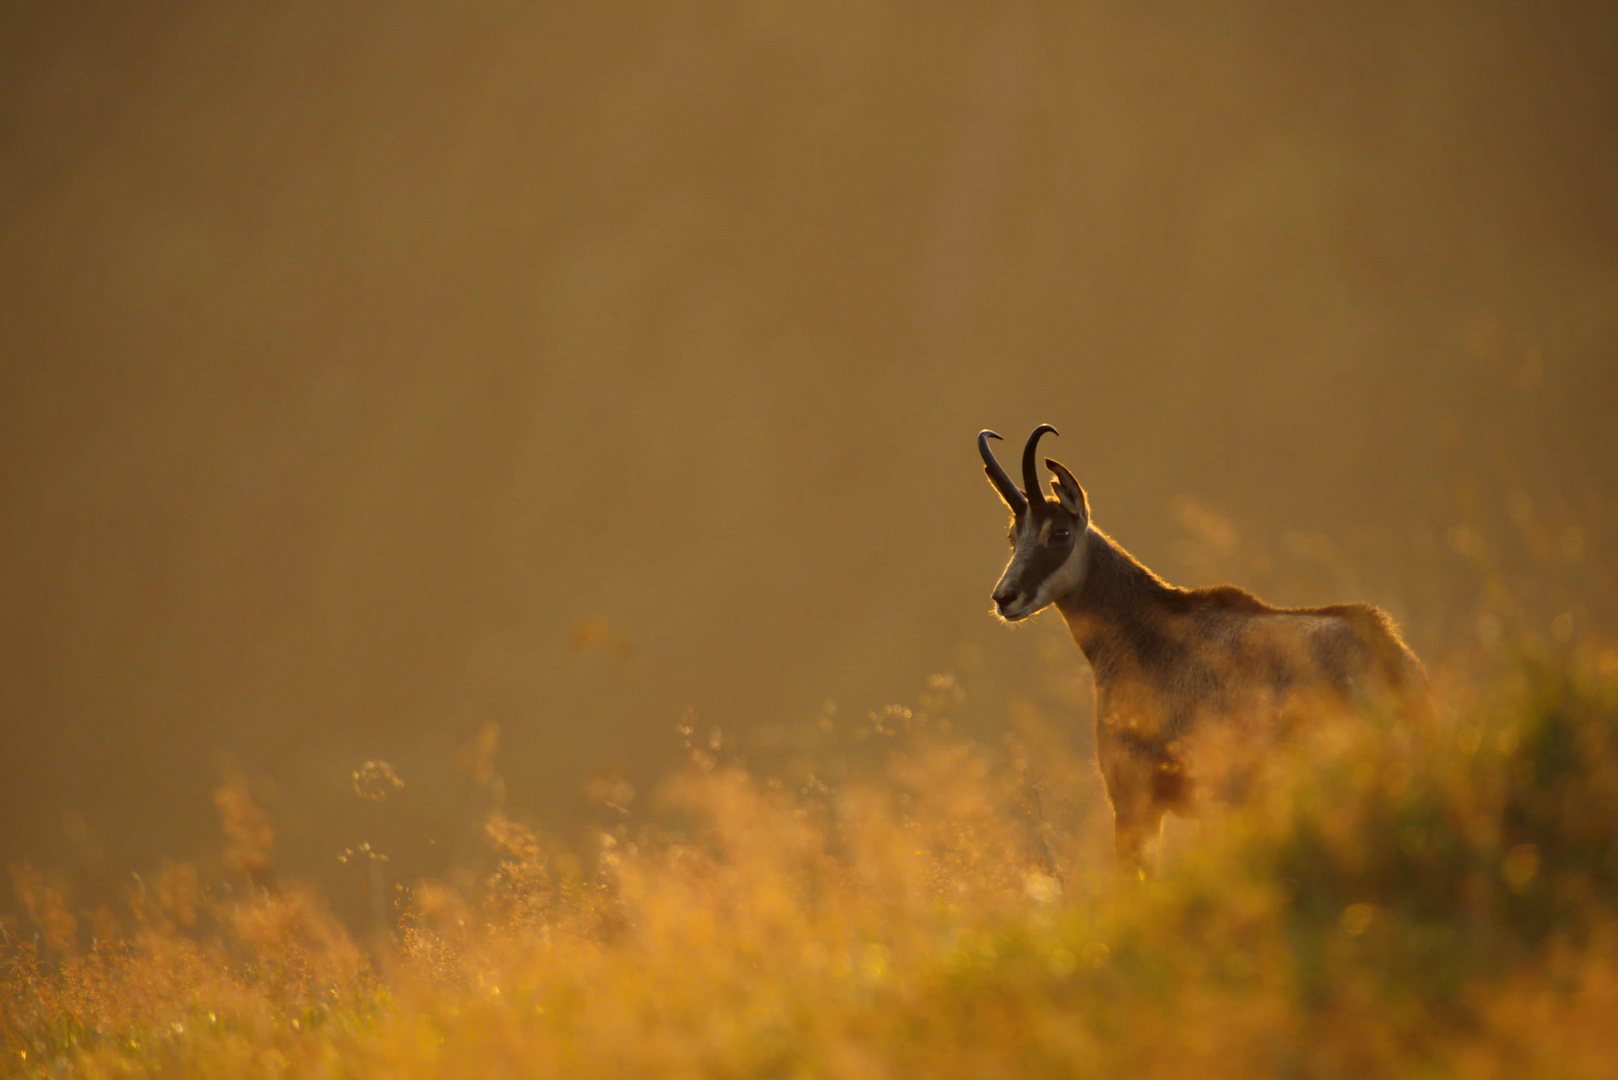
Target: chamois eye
(1060, 536)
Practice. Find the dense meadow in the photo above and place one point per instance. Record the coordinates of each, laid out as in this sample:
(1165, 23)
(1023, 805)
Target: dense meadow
(892, 898)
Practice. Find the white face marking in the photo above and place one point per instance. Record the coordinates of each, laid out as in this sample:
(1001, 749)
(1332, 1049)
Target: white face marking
(1068, 577)
(1062, 580)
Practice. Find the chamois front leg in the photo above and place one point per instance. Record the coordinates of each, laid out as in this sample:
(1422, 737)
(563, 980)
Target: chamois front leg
(1135, 837)
(1137, 813)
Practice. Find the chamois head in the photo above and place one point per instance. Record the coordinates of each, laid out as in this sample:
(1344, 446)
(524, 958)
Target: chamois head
(1047, 535)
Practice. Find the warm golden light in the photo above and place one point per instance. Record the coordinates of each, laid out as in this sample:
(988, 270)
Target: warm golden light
(426, 430)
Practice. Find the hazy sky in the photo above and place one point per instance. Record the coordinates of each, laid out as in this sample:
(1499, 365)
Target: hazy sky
(358, 360)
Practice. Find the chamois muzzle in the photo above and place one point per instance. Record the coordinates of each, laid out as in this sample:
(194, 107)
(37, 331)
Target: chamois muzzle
(997, 475)
(1030, 470)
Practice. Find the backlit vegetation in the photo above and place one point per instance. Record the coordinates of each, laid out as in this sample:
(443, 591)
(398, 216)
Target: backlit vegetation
(1395, 903)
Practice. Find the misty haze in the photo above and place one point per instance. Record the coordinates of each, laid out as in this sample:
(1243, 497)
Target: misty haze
(526, 398)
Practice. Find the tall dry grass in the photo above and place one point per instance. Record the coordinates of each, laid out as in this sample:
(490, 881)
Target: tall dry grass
(1440, 904)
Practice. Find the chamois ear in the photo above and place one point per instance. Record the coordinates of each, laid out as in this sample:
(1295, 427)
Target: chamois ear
(1068, 492)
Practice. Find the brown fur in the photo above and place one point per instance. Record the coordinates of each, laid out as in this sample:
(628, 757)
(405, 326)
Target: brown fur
(1192, 684)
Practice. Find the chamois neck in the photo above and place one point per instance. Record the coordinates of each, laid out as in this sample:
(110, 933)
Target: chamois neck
(1117, 593)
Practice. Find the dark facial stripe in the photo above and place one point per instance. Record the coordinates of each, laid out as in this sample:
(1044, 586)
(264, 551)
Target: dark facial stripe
(1042, 563)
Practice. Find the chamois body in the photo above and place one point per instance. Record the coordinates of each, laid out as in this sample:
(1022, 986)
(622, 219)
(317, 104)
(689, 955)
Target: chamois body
(1192, 685)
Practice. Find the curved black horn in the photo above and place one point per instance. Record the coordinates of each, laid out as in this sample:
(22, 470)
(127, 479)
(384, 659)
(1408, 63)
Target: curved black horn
(1030, 473)
(997, 475)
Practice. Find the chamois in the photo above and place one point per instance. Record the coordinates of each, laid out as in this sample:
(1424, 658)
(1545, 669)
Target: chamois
(1187, 681)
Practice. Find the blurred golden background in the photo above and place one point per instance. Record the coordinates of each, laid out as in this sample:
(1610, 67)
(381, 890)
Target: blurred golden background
(374, 375)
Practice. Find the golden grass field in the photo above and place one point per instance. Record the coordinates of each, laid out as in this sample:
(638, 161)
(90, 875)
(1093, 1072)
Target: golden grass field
(1395, 904)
